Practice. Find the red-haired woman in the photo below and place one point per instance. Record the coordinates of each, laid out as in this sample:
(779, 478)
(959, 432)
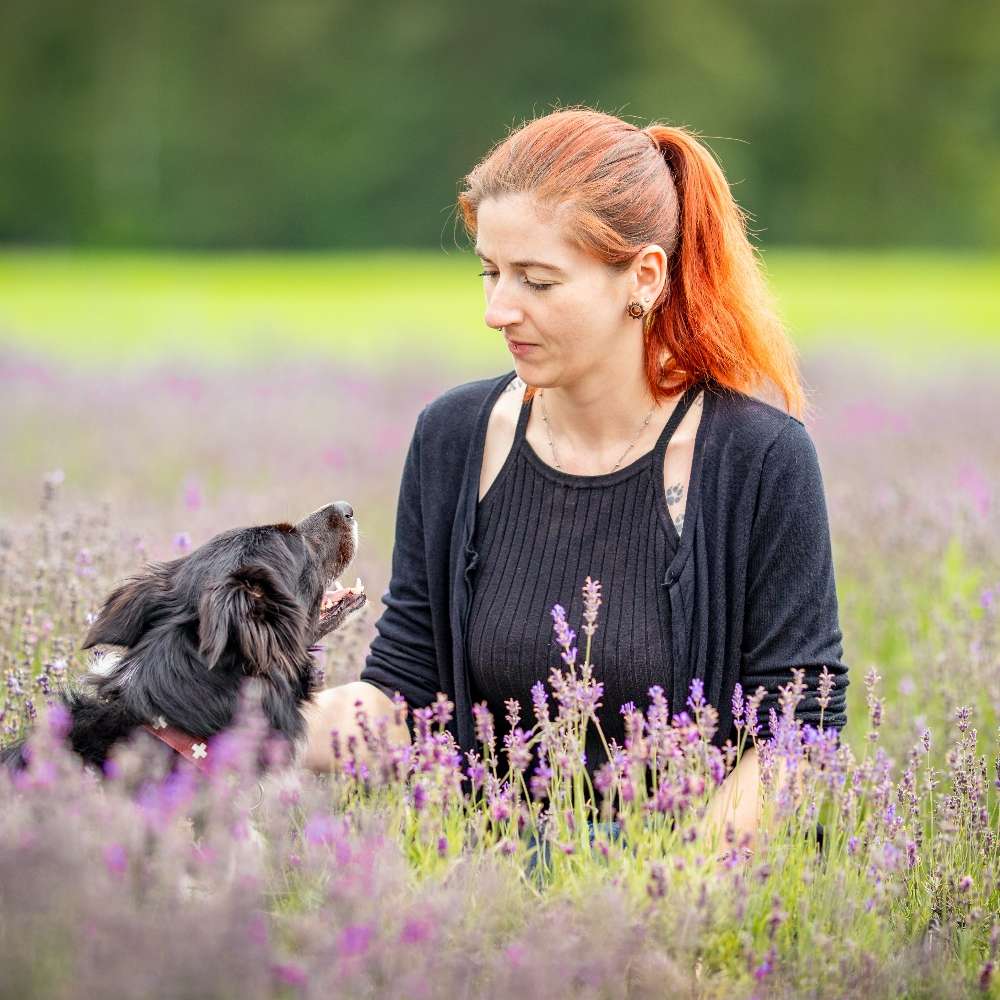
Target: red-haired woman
(633, 443)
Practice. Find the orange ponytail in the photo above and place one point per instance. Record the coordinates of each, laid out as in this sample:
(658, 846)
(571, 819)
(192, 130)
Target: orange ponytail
(719, 315)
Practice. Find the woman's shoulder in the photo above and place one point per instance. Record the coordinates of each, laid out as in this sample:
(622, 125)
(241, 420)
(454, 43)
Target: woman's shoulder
(750, 423)
(460, 405)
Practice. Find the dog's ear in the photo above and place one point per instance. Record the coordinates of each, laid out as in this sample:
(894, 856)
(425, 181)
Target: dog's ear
(129, 609)
(254, 615)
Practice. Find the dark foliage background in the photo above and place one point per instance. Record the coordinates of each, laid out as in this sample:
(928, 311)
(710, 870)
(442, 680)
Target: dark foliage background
(223, 123)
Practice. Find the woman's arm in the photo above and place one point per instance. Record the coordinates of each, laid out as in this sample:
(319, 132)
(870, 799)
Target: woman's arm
(790, 615)
(790, 618)
(402, 656)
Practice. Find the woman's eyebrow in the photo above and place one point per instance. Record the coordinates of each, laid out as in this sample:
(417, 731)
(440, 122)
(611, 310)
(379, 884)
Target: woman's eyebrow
(523, 263)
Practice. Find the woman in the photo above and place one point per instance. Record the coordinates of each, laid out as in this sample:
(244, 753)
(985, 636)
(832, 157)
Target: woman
(627, 445)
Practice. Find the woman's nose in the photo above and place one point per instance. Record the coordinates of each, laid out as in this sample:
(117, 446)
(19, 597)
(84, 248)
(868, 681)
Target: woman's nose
(501, 313)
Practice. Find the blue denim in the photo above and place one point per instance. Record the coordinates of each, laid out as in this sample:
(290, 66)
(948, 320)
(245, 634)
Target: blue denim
(612, 831)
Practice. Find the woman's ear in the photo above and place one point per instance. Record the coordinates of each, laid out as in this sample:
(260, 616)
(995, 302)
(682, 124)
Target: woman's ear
(253, 616)
(130, 609)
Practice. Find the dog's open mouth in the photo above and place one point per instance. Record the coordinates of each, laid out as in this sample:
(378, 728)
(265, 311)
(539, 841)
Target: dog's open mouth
(338, 594)
(338, 604)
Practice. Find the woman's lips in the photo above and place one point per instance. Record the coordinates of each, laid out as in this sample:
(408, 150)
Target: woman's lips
(520, 348)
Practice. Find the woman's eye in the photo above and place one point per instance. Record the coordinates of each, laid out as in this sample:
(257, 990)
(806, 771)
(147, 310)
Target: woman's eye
(530, 284)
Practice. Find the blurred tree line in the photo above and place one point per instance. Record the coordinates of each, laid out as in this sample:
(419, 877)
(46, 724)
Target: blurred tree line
(232, 123)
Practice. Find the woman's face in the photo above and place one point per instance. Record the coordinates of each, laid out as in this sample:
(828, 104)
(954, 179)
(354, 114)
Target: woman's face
(572, 311)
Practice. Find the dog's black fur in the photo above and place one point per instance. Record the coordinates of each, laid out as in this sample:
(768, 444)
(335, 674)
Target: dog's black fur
(245, 604)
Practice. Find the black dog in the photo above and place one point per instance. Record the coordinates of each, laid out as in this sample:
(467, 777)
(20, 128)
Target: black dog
(248, 603)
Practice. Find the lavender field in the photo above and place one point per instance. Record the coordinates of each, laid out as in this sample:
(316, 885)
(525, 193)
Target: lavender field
(385, 882)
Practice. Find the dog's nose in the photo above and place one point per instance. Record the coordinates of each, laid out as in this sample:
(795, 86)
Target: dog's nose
(345, 508)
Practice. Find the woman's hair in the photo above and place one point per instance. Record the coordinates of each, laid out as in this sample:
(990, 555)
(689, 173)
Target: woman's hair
(617, 188)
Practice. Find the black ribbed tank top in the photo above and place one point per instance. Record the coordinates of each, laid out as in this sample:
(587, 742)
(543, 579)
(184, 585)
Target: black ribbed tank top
(539, 533)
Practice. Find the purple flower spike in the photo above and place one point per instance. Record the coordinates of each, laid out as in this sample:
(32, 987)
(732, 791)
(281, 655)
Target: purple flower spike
(540, 701)
(518, 751)
(738, 705)
(419, 797)
(320, 829)
(697, 696)
(289, 974)
(485, 733)
(355, 939)
(59, 719)
(591, 602)
(564, 634)
(415, 931)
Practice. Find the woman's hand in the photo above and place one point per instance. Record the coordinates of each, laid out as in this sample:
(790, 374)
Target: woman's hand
(736, 803)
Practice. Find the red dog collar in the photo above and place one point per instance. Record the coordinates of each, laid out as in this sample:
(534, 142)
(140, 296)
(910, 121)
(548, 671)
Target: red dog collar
(189, 747)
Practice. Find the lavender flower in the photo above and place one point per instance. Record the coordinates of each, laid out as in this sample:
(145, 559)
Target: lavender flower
(513, 712)
(517, 749)
(564, 634)
(484, 723)
(443, 709)
(330, 854)
(591, 602)
(355, 939)
(752, 711)
(540, 702)
(738, 705)
(697, 697)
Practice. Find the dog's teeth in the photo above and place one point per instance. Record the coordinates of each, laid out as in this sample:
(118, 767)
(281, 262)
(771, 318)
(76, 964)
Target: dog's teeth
(359, 587)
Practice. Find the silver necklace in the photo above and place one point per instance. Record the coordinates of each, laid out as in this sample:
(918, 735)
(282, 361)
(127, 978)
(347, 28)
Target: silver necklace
(548, 430)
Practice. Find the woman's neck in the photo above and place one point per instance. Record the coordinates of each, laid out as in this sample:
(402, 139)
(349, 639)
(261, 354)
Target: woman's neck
(595, 423)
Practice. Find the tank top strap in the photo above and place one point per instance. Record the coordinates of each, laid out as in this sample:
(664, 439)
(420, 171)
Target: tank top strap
(522, 419)
(680, 410)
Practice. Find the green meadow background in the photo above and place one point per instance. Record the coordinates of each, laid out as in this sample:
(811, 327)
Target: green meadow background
(911, 311)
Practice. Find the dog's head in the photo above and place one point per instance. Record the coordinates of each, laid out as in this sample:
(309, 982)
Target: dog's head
(245, 603)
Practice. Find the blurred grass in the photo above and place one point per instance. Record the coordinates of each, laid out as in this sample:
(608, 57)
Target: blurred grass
(913, 309)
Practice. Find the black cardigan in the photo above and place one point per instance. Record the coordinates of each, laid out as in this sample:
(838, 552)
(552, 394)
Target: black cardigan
(751, 586)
